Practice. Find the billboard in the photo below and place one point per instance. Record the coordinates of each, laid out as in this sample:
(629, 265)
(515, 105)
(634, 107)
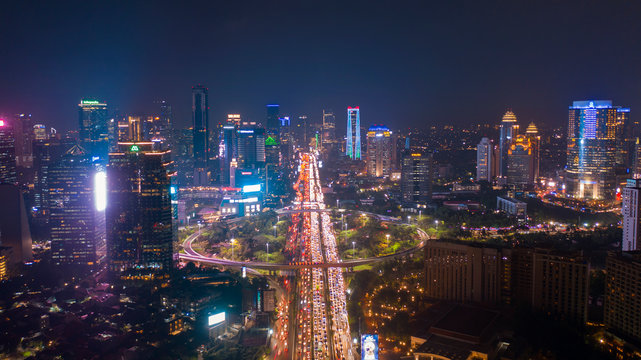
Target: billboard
(251, 188)
(216, 319)
(369, 347)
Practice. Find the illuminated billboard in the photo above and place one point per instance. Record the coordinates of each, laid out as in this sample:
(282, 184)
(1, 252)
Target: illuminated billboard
(369, 347)
(100, 190)
(216, 319)
(251, 188)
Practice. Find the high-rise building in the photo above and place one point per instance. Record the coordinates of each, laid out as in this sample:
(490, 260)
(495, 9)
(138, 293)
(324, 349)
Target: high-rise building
(227, 151)
(509, 129)
(591, 150)
(77, 198)
(532, 133)
(622, 288)
(561, 284)
(139, 221)
(301, 131)
(23, 133)
(467, 272)
(94, 128)
(520, 161)
(624, 135)
(200, 121)
(328, 136)
(45, 153)
(272, 145)
(353, 140)
(416, 177)
(40, 132)
(272, 125)
(484, 157)
(8, 173)
(379, 151)
(631, 210)
(14, 225)
(163, 122)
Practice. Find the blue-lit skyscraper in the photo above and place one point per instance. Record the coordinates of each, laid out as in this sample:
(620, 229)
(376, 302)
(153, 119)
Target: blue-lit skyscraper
(353, 141)
(509, 130)
(592, 150)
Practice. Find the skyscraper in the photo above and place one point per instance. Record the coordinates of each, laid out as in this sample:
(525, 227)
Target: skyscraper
(329, 129)
(139, 222)
(45, 154)
(94, 128)
(624, 137)
(484, 160)
(622, 288)
(379, 151)
(509, 129)
(272, 125)
(77, 194)
(8, 174)
(591, 150)
(520, 161)
(353, 140)
(23, 133)
(200, 121)
(272, 145)
(416, 177)
(227, 150)
(631, 210)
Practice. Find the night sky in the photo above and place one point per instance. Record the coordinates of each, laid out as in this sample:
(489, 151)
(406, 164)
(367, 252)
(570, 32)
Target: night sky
(404, 63)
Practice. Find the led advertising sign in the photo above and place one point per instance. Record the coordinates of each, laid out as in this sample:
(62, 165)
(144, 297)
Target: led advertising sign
(251, 188)
(216, 319)
(100, 190)
(369, 347)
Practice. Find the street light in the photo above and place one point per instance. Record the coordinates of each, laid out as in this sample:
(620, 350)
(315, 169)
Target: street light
(436, 223)
(337, 203)
(267, 252)
(353, 248)
(408, 219)
(232, 248)
(274, 230)
(419, 215)
(187, 220)
(387, 236)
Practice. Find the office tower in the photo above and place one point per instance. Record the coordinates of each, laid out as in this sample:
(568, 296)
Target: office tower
(301, 132)
(45, 154)
(484, 160)
(467, 272)
(272, 145)
(416, 177)
(520, 162)
(5, 262)
(509, 129)
(591, 150)
(328, 136)
(200, 121)
(134, 129)
(163, 122)
(251, 147)
(272, 124)
(40, 132)
(286, 140)
(23, 133)
(227, 149)
(8, 173)
(635, 168)
(624, 137)
(14, 225)
(139, 222)
(631, 210)
(94, 128)
(379, 151)
(77, 198)
(532, 133)
(622, 309)
(353, 140)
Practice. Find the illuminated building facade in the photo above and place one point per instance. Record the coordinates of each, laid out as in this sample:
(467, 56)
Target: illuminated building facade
(379, 151)
(631, 210)
(40, 132)
(200, 122)
(353, 140)
(272, 145)
(520, 161)
(591, 150)
(5, 262)
(509, 129)
(328, 135)
(94, 128)
(139, 220)
(622, 288)
(227, 150)
(625, 140)
(77, 198)
(8, 172)
(416, 177)
(484, 160)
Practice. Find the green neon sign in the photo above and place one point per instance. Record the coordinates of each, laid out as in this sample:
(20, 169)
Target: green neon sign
(134, 148)
(90, 102)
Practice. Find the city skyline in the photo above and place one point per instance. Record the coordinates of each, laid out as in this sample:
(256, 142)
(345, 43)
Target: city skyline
(431, 76)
